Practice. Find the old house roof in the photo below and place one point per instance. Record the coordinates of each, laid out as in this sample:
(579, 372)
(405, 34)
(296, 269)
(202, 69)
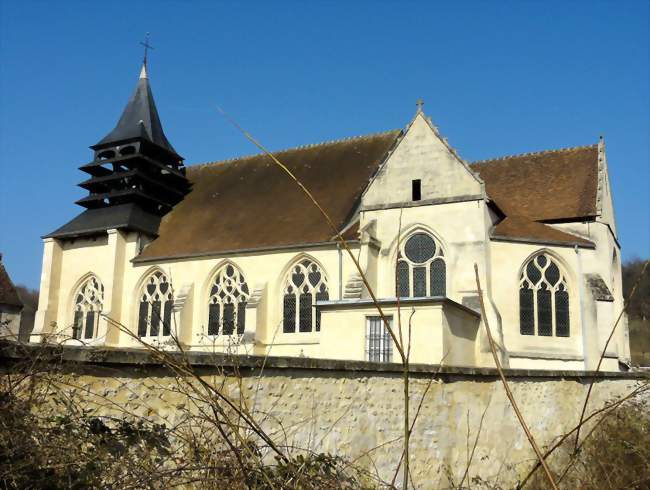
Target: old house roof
(250, 204)
(8, 294)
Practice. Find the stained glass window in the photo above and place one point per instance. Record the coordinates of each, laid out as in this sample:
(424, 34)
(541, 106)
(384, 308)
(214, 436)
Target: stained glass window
(155, 309)
(421, 268)
(543, 299)
(87, 308)
(229, 294)
(305, 284)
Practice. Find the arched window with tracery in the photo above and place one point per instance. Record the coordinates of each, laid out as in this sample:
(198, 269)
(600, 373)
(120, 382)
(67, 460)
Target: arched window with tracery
(305, 284)
(88, 305)
(543, 298)
(421, 268)
(227, 306)
(156, 302)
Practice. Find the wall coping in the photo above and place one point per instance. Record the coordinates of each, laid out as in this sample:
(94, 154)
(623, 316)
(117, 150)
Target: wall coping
(10, 350)
(367, 302)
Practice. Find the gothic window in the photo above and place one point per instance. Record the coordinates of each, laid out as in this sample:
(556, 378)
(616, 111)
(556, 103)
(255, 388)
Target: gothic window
(305, 284)
(87, 307)
(155, 311)
(379, 345)
(421, 269)
(227, 306)
(543, 299)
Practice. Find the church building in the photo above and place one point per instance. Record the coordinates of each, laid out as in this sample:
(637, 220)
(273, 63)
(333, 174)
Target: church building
(233, 256)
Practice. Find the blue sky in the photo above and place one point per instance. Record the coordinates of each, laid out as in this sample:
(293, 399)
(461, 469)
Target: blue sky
(497, 78)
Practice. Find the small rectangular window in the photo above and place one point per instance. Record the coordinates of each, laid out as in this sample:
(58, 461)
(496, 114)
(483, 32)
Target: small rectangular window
(379, 345)
(417, 189)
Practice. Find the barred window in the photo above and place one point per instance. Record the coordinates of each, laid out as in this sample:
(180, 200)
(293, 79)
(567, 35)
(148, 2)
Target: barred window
(305, 284)
(155, 310)
(229, 295)
(87, 307)
(379, 344)
(421, 268)
(543, 299)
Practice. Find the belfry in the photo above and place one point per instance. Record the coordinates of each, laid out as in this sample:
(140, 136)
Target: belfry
(136, 175)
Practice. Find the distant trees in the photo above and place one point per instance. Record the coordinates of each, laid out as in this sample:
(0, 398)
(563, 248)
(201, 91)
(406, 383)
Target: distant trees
(639, 307)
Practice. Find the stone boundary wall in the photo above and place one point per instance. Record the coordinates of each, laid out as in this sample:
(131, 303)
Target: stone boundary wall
(354, 409)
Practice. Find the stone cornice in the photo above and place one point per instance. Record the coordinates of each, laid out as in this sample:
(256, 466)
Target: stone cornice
(13, 352)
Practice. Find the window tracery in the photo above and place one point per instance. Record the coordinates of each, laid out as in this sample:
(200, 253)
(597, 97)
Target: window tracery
(421, 268)
(543, 299)
(305, 284)
(156, 302)
(229, 295)
(87, 308)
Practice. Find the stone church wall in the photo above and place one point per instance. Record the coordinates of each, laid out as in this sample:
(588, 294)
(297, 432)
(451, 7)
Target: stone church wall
(354, 409)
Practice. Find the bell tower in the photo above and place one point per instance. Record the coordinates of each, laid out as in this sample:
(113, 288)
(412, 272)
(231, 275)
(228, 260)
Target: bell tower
(136, 175)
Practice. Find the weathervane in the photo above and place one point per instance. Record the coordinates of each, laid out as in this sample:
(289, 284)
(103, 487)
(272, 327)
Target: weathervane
(147, 47)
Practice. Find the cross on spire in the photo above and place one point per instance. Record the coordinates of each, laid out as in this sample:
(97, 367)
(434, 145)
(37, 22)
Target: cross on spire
(419, 105)
(147, 47)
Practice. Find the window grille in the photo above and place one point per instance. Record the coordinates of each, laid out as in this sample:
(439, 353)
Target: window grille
(229, 295)
(421, 268)
(305, 284)
(543, 299)
(155, 310)
(379, 344)
(87, 308)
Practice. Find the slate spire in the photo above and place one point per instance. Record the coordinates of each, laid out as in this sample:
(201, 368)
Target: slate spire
(139, 119)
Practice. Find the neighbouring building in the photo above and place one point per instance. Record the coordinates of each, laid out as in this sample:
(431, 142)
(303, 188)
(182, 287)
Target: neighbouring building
(10, 306)
(233, 256)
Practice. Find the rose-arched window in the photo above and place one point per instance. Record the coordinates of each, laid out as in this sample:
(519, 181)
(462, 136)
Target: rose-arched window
(87, 307)
(305, 284)
(156, 302)
(227, 306)
(543, 299)
(421, 268)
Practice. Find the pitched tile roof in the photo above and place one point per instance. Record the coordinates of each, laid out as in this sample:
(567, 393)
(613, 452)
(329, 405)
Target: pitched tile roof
(544, 186)
(8, 294)
(519, 228)
(250, 204)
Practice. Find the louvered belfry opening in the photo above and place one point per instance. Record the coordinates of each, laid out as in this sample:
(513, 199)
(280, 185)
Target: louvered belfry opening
(135, 163)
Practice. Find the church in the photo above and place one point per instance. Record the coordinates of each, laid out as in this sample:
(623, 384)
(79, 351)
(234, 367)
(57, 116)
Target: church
(233, 256)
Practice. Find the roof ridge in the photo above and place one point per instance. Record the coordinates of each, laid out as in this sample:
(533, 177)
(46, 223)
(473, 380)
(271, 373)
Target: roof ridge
(299, 147)
(531, 153)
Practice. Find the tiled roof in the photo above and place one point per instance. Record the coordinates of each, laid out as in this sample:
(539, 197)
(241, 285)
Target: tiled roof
(544, 186)
(8, 293)
(519, 228)
(250, 203)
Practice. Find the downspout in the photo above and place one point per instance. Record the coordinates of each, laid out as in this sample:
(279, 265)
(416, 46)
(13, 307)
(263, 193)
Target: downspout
(338, 248)
(585, 350)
